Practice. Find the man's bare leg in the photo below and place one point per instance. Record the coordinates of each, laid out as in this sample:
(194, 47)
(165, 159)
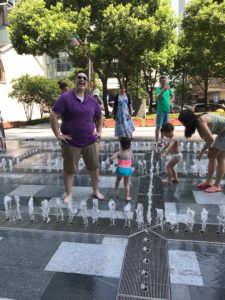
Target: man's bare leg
(162, 137)
(95, 183)
(157, 135)
(68, 184)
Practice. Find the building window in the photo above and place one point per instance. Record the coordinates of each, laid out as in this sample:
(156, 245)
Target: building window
(63, 64)
(9, 3)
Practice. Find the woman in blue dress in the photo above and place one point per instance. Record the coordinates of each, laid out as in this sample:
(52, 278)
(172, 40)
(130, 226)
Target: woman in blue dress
(122, 112)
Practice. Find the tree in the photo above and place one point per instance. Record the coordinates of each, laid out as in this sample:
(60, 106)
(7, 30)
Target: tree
(159, 57)
(34, 89)
(155, 63)
(105, 32)
(21, 90)
(121, 37)
(203, 39)
(182, 81)
(125, 34)
(44, 92)
(117, 40)
(34, 29)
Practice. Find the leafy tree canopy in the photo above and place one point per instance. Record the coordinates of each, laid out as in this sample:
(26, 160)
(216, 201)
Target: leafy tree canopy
(204, 37)
(34, 29)
(202, 42)
(114, 34)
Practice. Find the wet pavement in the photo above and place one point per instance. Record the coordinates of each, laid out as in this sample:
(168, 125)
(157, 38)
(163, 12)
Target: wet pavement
(116, 255)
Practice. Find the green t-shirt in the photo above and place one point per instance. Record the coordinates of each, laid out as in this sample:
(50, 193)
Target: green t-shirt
(163, 104)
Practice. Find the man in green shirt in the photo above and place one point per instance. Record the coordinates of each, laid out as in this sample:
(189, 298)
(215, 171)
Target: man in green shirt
(164, 97)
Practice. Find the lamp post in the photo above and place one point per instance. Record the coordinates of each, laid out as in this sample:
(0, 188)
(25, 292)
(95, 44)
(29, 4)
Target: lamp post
(89, 71)
(183, 93)
(90, 64)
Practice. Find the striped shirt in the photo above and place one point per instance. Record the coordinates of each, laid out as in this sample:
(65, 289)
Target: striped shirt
(216, 126)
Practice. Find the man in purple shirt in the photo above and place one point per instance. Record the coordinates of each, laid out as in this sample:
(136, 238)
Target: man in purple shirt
(80, 133)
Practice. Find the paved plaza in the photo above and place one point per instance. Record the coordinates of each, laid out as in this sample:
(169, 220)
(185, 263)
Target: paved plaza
(155, 248)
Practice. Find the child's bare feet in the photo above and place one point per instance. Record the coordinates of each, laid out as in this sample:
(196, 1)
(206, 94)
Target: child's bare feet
(98, 195)
(116, 193)
(67, 198)
(166, 181)
(128, 199)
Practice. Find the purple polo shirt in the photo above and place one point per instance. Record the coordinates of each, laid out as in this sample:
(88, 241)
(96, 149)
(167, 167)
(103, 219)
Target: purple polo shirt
(78, 117)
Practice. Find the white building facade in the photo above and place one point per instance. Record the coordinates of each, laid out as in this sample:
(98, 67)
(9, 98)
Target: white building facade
(13, 66)
(178, 6)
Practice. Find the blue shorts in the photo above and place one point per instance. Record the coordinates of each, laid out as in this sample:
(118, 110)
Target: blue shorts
(162, 117)
(123, 171)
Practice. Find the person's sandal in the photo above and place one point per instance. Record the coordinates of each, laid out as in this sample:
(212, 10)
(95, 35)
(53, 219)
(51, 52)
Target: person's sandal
(213, 189)
(203, 185)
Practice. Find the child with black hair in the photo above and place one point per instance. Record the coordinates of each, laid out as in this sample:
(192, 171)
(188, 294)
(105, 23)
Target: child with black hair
(124, 169)
(207, 125)
(63, 86)
(173, 148)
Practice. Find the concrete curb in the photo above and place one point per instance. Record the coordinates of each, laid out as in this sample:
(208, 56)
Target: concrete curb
(44, 131)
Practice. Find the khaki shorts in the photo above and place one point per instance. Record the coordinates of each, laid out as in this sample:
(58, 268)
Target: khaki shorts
(72, 154)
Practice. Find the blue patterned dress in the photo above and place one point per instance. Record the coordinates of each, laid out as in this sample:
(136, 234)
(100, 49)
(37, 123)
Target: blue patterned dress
(124, 123)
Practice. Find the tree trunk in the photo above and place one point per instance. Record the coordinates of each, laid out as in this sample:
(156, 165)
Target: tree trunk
(104, 87)
(150, 100)
(206, 86)
(183, 92)
(104, 75)
(28, 109)
(139, 106)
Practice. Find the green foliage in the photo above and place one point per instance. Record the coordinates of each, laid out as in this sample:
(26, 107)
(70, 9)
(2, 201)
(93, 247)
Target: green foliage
(44, 92)
(22, 91)
(34, 89)
(37, 121)
(159, 56)
(34, 29)
(119, 36)
(202, 41)
(127, 30)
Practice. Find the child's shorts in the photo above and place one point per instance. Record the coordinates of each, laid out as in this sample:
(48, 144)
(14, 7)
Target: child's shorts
(178, 156)
(123, 171)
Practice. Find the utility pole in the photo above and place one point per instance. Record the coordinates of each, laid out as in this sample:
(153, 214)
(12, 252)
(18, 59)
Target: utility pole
(183, 92)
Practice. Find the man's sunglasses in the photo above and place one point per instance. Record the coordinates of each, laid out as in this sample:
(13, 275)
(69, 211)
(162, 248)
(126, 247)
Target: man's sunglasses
(82, 77)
